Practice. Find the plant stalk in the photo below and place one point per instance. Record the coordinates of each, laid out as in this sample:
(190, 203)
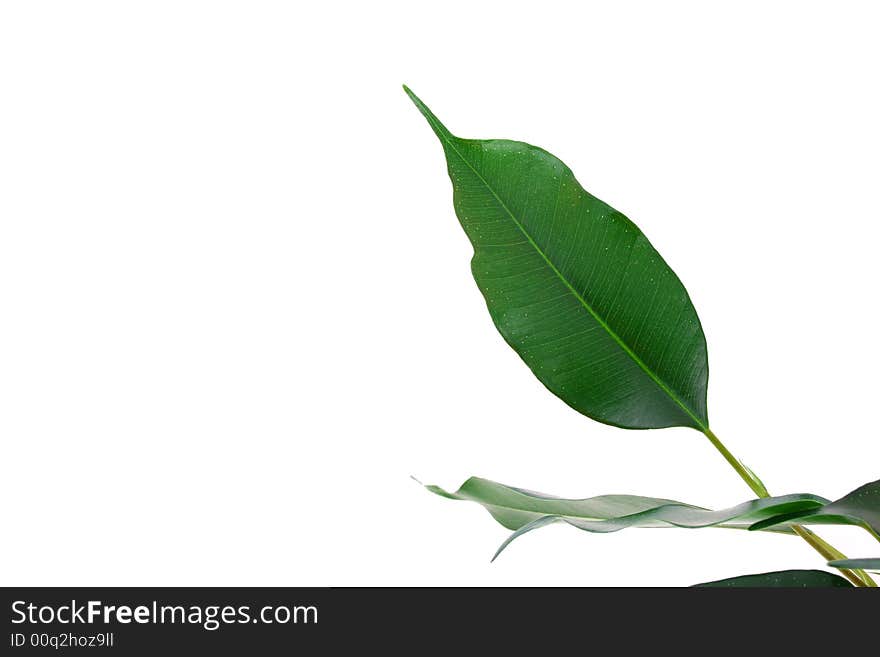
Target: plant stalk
(828, 551)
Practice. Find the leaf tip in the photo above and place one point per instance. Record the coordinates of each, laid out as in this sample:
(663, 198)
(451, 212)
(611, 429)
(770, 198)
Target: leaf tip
(438, 128)
(415, 99)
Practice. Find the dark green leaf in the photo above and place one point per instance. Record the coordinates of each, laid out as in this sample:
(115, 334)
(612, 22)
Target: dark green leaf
(576, 288)
(860, 507)
(872, 564)
(523, 510)
(784, 579)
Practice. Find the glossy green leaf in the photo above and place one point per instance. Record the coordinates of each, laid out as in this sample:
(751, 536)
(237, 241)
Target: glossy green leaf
(524, 511)
(576, 288)
(860, 507)
(782, 579)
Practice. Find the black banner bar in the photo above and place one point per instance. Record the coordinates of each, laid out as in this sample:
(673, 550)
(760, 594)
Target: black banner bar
(151, 621)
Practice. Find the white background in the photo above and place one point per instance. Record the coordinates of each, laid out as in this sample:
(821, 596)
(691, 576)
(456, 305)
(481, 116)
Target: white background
(236, 311)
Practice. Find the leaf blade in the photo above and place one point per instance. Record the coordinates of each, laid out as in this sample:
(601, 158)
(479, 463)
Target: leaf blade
(576, 288)
(523, 511)
(866, 563)
(860, 507)
(782, 579)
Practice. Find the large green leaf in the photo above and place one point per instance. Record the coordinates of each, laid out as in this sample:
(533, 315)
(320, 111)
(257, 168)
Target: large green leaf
(782, 578)
(576, 288)
(523, 511)
(860, 507)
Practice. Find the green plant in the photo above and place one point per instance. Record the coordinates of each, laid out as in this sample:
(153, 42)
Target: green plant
(577, 290)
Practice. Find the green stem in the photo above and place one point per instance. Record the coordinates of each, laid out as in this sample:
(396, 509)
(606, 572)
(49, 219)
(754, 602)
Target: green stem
(754, 483)
(828, 551)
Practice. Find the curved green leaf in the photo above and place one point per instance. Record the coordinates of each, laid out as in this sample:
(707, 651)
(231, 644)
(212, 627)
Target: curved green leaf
(576, 288)
(784, 579)
(524, 511)
(860, 507)
(872, 564)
